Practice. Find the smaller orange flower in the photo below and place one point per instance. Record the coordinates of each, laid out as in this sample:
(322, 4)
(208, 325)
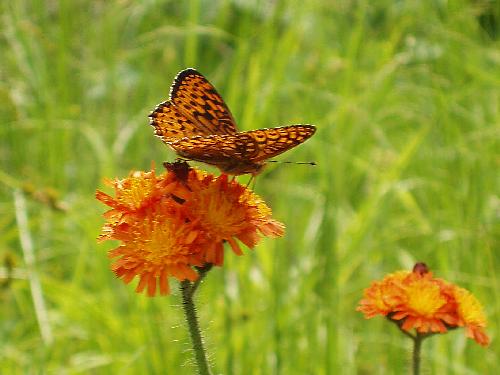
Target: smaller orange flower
(170, 223)
(417, 300)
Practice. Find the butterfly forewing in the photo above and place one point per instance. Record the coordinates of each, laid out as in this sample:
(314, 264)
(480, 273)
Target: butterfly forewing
(170, 124)
(196, 99)
(272, 142)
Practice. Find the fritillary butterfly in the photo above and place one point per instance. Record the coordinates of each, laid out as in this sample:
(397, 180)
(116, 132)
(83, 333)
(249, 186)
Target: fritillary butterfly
(198, 125)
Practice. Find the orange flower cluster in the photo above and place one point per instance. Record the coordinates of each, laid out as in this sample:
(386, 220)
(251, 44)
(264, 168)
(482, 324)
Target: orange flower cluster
(170, 223)
(417, 300)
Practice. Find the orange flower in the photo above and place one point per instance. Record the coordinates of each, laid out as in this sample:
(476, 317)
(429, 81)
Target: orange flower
(168, 224)
(228, 211)
(139, 190)
(417, 300)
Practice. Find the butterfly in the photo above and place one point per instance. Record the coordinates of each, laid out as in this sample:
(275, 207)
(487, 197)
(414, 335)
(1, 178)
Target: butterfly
(197, 124)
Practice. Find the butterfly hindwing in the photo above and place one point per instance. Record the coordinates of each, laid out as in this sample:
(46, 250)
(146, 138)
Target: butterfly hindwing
(212, 149)
(252, 146)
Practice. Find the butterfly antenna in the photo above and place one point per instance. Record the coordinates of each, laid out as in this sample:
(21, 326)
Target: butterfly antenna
(293, 162)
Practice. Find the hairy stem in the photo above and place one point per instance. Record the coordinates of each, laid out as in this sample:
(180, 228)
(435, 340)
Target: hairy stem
(188, 289)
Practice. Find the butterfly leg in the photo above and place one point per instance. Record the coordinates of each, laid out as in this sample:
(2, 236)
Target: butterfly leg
(252, 179)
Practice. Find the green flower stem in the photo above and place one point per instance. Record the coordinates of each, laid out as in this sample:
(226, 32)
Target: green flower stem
(188, 289)
(202, 272)
(417, 345)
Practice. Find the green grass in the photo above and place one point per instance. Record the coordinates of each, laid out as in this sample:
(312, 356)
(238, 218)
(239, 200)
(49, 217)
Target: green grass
(405, 97)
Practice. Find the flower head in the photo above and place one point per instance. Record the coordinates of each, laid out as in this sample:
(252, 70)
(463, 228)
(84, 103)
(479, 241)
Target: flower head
(417, 300)
(228, 211)
(170, 223)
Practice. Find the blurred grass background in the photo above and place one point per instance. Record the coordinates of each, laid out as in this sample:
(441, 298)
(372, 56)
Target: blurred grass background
(405, 97)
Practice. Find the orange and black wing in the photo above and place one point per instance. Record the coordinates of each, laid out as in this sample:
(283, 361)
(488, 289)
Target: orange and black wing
(246, 147)
(171, 124)
(267, 143)
(213, 149)
(194, 108)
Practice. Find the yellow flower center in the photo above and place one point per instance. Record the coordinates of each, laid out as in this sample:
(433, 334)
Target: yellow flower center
(219, 213)
(160, 240)
(424, 299)
(134, 190)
